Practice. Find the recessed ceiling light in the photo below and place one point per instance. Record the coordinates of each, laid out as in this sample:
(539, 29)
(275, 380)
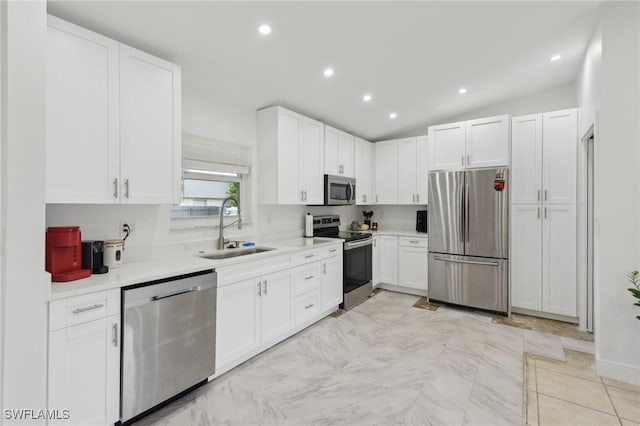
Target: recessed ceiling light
(462, 90)
(366, 98)
(328, 72)
(264, 29)
(393, 115)
(555, 57)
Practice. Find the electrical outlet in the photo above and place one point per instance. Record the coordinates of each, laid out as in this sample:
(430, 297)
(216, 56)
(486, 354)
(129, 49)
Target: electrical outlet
(132, 227)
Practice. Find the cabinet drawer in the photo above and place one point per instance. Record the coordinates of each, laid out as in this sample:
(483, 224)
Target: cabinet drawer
(84, 308)
(329, 252)
(304, 257)
(414, 242)
(307, 278)
(307, 306)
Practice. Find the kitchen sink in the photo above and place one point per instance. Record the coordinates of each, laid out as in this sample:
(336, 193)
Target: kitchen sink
(228, 253)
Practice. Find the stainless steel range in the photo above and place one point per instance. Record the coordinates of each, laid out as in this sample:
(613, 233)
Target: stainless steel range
(357, 257)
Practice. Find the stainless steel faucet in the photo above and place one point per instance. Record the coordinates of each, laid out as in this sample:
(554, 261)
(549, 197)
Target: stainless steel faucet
(221, 240)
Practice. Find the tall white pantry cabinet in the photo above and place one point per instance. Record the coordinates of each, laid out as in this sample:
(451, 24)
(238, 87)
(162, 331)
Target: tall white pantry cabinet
(543, 213)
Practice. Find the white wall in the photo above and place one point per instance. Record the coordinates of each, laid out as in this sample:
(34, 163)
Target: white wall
(617, 183)
(23, 281)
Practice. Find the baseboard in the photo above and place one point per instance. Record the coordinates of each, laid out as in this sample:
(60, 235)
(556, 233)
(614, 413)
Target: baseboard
(402, 289)
(546, 315)
(622, 372)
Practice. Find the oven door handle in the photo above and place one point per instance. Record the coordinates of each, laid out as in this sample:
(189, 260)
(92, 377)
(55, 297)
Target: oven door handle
(357, 244)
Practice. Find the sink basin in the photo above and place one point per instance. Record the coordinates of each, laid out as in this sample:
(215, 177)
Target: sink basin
(226, 254)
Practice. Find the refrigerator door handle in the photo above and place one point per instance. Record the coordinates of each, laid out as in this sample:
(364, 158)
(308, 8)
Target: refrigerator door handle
(466, 210)
(472, 262)
(463, 219)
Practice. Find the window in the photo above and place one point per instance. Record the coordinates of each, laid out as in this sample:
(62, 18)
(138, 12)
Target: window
(213, 170)
(202, 196)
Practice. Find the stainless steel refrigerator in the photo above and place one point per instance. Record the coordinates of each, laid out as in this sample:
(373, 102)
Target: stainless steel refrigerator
(469, 238)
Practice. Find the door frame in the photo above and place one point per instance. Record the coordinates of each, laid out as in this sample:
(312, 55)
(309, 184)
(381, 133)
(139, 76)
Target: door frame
(587, 247)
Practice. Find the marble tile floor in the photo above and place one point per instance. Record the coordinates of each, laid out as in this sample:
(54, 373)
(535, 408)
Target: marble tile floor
(571, 393)
(382, 363)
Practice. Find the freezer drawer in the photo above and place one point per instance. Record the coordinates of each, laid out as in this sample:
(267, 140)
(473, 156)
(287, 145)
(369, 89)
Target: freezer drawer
(469, 281)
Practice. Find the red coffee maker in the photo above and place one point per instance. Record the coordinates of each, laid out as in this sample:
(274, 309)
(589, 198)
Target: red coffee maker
(64, 254)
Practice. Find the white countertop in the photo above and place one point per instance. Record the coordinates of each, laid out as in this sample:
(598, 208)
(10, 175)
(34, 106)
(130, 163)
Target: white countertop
(400, 233)
(179, 264)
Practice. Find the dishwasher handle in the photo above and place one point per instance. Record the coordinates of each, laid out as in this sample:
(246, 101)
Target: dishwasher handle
(175, 293)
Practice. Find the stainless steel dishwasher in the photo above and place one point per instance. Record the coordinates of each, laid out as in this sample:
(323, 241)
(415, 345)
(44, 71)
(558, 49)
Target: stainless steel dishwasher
(168, 343)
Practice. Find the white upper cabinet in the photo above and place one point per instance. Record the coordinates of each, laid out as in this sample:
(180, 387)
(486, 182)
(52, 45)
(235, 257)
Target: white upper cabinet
(338, 152)
(447, 146)
(150, 125)
(526, 159)
(311, 154)
(401, 170)
(83, 148)
(544, 157)
(422, 188)
(407, 170)
(559, 153)
(363, 164)
(290, 158)
(113, 121)
(386, 172)
(470, 144)
(488, 142)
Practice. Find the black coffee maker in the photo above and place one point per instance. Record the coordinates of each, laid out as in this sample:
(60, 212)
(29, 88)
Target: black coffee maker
(93, 257)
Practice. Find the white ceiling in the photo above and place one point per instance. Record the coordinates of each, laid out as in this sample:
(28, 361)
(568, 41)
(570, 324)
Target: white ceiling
(411, 56)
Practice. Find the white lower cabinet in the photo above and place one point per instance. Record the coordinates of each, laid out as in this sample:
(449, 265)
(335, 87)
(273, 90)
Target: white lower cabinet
(400, 263)
(252, 312)
(543, 258)
(84, 362)
(376, 255)
(389, 261)
(332, 289)
(412, 263)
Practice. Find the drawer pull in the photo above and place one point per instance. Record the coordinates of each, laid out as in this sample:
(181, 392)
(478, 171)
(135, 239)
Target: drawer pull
(414, 242)
(309, 256)
(88, 308)
(310, 306)
(333, 250)
(309, 277)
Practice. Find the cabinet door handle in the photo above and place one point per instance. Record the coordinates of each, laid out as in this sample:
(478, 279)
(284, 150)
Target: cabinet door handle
(538, 195)
(309, 277)
(259, 288)
(414, 242)
(418, 198)
(545, 195)
(301, 195)
(462, 160)
(309, 256)
(538, 212)
(88, 308)
(545, 212)
(114, 339)
(333, 250)
(468, 159)
(376, 198)
(324, 268)
(364, 198)
(310, 306)
(413, 198)
(115, 188)
(305, 195)
(265, 287)
(126, 188)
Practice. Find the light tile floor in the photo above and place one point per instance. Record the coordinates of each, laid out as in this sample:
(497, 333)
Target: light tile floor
(384, 362)
(571, 393)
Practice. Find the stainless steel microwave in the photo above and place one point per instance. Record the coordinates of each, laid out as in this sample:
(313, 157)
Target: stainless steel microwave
(339, 191)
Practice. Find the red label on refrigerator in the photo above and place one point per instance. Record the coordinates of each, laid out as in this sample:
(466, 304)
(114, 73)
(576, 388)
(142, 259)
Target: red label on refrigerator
(498, 183)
